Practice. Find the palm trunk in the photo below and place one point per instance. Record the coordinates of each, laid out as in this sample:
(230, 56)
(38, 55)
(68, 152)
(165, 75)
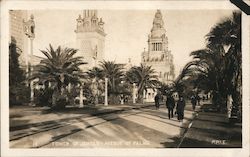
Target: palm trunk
(140, 92)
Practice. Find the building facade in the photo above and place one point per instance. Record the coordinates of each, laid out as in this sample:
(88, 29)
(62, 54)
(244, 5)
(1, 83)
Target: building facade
(16, 31)
(21, 32)
(158, 56)
(90, 38)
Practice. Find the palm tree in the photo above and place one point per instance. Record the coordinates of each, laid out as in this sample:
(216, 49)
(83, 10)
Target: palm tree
(217, 68)
(60, 68)
(95, 73)
(115, 74)
(95, 77)
(144, 77)
(207, 71)
(227, 36)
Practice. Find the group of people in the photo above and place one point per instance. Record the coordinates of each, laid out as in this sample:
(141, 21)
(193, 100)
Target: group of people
(170, 104)
(195, 100)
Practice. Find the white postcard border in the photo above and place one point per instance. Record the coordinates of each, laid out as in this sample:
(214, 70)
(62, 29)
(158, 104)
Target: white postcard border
(140, 5)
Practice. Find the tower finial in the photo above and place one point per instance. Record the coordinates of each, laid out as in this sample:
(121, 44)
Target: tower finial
(32, 17)
(129, 60)
(158, 25)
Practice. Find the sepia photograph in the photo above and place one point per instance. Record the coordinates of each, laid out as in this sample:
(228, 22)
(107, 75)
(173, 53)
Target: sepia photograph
(154, 78)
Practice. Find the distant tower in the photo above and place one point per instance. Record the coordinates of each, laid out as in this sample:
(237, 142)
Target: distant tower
(158, 55)
(90, 38)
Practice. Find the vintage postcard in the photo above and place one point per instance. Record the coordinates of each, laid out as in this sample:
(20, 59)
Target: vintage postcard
(124, 78)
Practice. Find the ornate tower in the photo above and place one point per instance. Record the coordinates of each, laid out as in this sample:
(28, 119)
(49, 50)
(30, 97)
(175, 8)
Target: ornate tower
(158, 55)
(90, 38)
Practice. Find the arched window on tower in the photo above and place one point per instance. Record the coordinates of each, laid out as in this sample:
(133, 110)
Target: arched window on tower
(94, 21)
(32, 29)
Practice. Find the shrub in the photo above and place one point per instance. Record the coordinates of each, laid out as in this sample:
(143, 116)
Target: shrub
(19, 95)
(43, 97)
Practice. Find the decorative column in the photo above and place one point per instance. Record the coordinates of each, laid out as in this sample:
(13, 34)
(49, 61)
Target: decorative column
(106, 92)
(144, 96)
(69, 87)
(81, 98)
(134, 93)
(122, 100)
(96, 93)
(29, 30)
(31, 70)
(122, 96)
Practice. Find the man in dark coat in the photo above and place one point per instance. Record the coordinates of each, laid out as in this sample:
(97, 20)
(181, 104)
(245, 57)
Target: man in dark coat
(157, 101)
(198, 99)
(170, 104)
(180, 108)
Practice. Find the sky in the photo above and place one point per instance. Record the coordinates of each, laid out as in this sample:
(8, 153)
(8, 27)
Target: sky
(127, 31)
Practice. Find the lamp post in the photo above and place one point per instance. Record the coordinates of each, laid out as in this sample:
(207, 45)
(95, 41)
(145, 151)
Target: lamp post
(144, 96)
(95, 81)
(134, 93)
(29, 30)
(106, 92)
(81, 97)
(122, 96)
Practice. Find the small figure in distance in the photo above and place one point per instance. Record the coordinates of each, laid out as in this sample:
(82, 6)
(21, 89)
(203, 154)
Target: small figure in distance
(157, 101)
(193, 102)
(198, 98)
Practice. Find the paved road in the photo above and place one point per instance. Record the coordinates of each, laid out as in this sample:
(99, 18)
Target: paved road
(133, 128)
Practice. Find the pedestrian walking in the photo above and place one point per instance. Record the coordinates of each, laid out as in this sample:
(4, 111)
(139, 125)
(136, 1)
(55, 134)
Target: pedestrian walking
(180, 108)
(193, 102)
(198, 100)
(170, 104)
(157, 101)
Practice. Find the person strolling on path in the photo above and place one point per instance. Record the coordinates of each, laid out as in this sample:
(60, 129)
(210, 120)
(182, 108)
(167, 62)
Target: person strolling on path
(180, 108)
(198, 100)
(193, 102)
(157, 101)
(170, 104)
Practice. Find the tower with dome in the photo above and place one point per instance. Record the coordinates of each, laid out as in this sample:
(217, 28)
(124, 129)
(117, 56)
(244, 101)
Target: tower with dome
(158, 56)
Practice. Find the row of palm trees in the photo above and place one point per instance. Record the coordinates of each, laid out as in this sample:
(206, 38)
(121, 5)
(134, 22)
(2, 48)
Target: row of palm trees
(120, 80)
(62, 68)
(218, 67)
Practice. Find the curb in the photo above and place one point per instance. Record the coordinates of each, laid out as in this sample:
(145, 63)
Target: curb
(189, 126)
